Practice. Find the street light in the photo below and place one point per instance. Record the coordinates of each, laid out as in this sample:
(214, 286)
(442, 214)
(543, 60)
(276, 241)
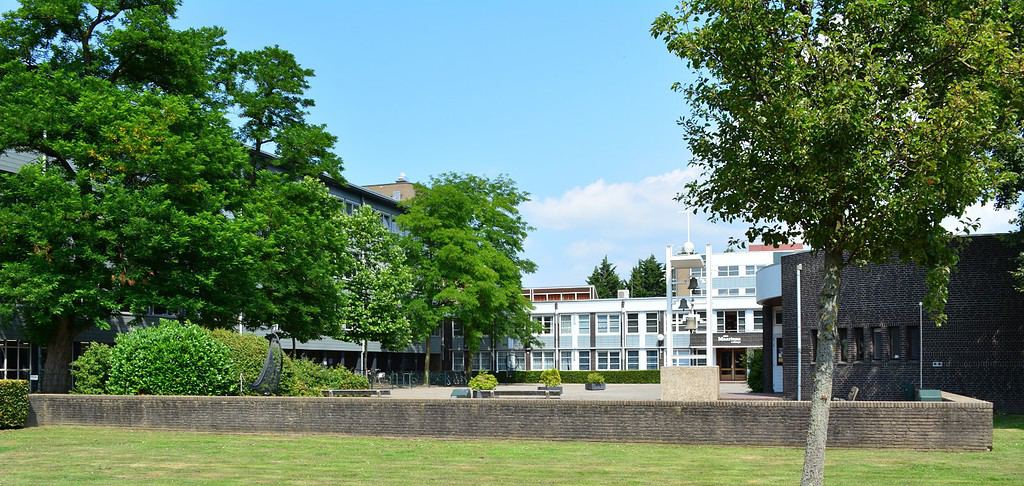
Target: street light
(661, 346)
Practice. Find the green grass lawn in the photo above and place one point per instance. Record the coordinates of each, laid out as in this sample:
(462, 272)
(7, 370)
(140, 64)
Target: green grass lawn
(93, 455)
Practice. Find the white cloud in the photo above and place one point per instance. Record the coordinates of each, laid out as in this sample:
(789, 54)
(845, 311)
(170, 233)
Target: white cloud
(992, 219)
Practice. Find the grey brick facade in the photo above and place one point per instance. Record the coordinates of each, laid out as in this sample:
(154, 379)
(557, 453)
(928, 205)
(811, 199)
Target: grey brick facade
(979, 352)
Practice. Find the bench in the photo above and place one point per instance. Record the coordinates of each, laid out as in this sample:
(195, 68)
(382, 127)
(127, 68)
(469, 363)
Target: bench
(357, 393)
(527, 393)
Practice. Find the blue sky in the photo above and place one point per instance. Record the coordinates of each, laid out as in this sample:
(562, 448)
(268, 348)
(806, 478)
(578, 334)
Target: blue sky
(569, 98)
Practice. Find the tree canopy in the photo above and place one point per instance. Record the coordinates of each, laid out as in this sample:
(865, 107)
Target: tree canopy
(145, 196)
(465, 240)
(647, 279)
(856, 126)
(605, 279)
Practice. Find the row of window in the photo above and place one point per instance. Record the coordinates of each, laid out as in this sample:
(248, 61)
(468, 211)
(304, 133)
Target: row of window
(545, 360)
(873, 343)
(729, 271)
(728, 321)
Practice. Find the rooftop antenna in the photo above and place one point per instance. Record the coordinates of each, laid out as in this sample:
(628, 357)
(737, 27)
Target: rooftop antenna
(688, 246)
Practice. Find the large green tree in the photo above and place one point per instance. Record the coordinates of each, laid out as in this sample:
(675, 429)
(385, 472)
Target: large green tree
(647, 279)
(139, 200)
(465, 240)
(605, 279)
(856, 126)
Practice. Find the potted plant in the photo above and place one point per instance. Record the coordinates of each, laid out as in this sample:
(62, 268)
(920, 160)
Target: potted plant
(551, 379)
(483, 385)
(595, 381)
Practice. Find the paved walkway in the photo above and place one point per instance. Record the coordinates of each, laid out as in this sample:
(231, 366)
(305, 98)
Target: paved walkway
(727, 391)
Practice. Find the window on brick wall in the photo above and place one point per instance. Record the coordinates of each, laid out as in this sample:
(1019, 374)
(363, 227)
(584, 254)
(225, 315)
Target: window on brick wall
(877, 341)
(843, 355)
(858, 344)
(894, 343)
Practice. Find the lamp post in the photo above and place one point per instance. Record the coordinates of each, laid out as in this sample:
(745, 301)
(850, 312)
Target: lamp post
(799, 341)
(661, 347)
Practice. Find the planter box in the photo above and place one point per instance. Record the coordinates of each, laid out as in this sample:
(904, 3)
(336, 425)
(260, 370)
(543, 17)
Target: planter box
(595, 386)
(483, 393)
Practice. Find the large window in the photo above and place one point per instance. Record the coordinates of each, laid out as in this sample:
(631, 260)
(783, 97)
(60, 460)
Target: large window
(543, 360)
(652, 322)
(729, 271)
(502, 364)
(566, 361)
(727, 292)
(458, 361)
(565, 324)
(758, 320)
(697, 272)
(545, 323)
(632, 323)
(583, 320)
(632, 360)
(652, 360)
(913, 343)
(689, 357)
(584, 360)
(751, 270)
(729, 321)
(609, 323)
(608, 360)
(14, 360)
(482, 361)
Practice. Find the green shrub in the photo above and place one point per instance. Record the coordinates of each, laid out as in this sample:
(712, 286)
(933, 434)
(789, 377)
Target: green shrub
(13, 403)
(91, 370)
(483, 381)
(248, 352)
(630, 376)
(595, 378)
(550, 378)
(755, 371)
(170, 358)
(308, 379)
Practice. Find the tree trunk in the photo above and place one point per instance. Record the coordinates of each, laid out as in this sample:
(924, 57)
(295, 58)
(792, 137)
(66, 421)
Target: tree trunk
(817, 428)
(426, 361)
(57, 369)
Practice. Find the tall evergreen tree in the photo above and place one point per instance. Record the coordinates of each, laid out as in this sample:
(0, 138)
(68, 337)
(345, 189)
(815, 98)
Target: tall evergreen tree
(647, 279)
(605, 280)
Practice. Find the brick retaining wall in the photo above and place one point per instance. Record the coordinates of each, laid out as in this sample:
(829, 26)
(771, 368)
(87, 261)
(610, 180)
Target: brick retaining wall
(963, 424)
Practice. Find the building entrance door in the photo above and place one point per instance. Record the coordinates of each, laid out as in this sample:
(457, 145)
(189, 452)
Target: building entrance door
(731, 364)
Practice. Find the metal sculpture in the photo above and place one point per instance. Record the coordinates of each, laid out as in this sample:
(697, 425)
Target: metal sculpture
(270, 378)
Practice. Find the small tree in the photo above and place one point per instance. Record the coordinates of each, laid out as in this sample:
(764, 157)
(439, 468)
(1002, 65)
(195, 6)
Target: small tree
(647, 279)
(605, 280)
(856, 126)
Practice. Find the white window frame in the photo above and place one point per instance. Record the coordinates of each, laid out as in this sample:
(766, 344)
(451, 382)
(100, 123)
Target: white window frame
(632, 359)
(729, 271)
(633, 323)
(583, 357)
(583, 324)
(758, 320)
(647, 323)
(652, 353)
(545, 358)
(565, 360)
(608, 327)
(609, 360)
(546, 324)
(565, 324)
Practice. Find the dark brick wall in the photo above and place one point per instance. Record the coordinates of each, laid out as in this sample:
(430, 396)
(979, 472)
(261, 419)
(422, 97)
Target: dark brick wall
(960, 425)
(980, 348)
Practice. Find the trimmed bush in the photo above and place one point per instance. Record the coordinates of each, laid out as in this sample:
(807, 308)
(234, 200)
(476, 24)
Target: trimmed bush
(550, 378)
(309, 379)
(91, 370)
(13, 403)
(595, 378)
(483, 381)
(248, 352)
(630, 376)
(755, 372)
(170, 358)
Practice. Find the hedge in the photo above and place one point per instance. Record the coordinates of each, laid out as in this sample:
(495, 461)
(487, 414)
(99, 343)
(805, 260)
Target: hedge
(13, 403)
(628, 376)
(92, 370)
(248, 353)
